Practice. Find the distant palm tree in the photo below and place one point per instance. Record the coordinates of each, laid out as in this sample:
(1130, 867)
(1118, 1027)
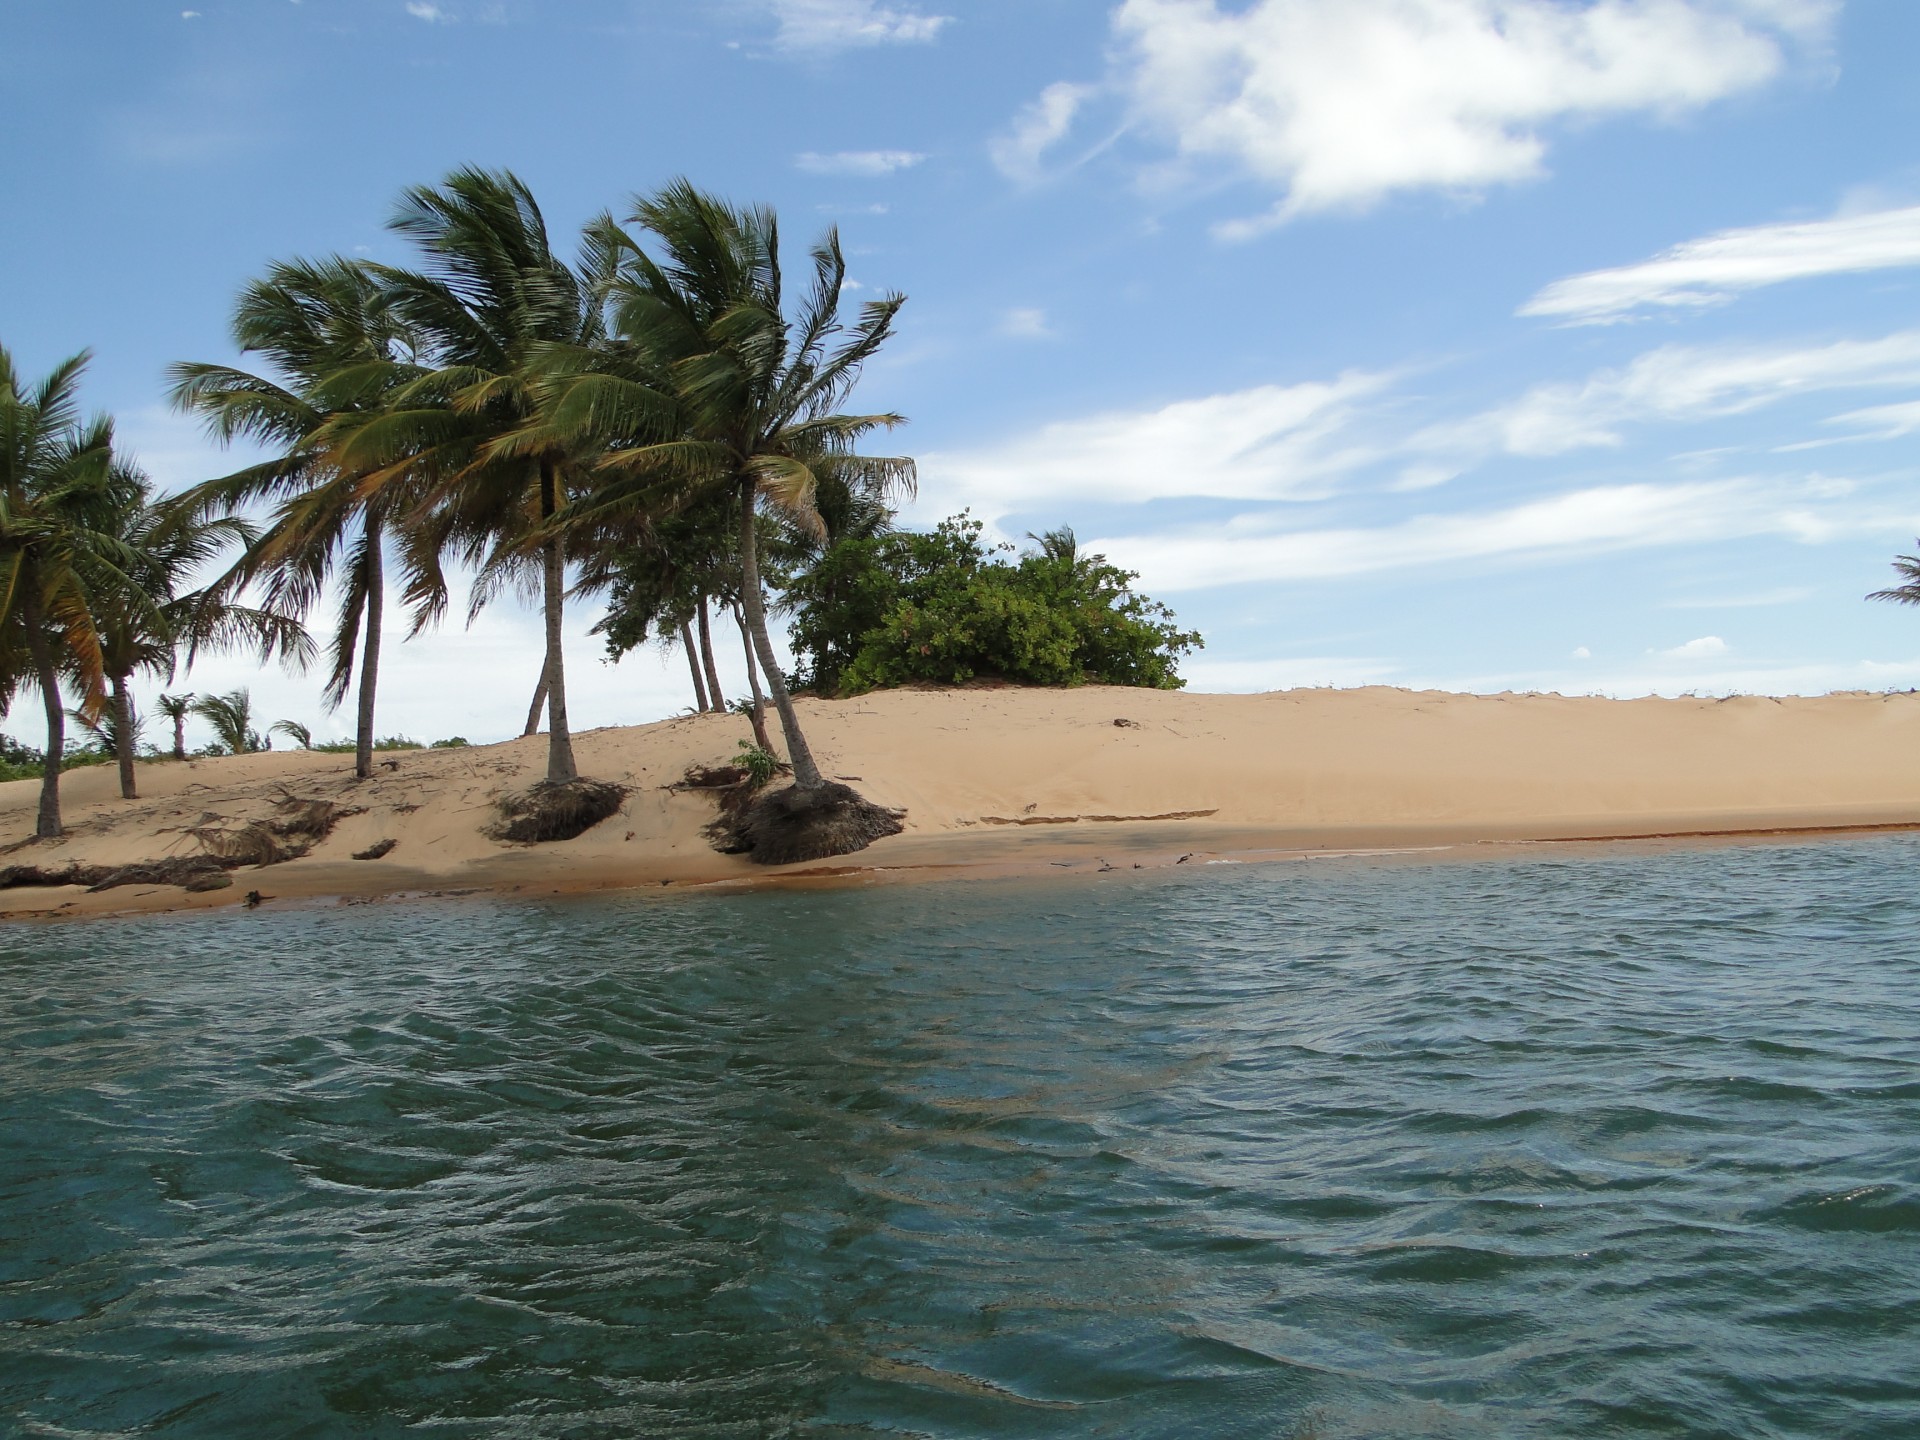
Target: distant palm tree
(176, 708)
(148, 624)
(231, 716)
(1908, 566)
(112, 730)
(294, 731)
(57, 550)
(340, 351)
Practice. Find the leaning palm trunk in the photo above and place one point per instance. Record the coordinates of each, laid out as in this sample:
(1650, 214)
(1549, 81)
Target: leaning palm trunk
(539, 705)
(369, 655)
(560, 764)
(760, 736)
(123, 736)
(719, 696)
(806, 774)
(47, 823)
(693, 665)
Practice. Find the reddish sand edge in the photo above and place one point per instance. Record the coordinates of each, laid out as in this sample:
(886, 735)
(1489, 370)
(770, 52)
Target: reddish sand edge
(1008, 782)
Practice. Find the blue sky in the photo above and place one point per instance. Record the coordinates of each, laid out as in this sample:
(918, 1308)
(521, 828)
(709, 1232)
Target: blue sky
(1485, 344)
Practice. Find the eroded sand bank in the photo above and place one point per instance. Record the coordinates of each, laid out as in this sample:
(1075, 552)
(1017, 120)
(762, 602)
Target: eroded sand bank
(1005, 780)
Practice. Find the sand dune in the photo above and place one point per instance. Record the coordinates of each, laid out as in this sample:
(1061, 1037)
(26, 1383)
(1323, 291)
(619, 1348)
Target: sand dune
(1010, 779)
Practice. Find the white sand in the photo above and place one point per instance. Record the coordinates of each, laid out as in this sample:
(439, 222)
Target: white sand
(1011, 779)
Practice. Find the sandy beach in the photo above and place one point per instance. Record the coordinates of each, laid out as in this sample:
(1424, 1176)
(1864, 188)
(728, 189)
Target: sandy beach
(1005, 780)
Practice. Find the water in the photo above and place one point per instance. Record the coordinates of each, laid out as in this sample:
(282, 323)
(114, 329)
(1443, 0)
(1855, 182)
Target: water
(1614, 1145)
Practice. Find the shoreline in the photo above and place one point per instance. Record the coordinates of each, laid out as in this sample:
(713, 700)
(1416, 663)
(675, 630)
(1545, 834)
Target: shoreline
(1007, 782)
(328, 887)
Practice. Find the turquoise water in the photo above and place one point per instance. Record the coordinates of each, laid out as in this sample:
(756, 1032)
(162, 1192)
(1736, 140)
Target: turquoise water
(1607, 1145)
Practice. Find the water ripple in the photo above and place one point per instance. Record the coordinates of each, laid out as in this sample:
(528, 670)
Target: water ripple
(1609, 1145)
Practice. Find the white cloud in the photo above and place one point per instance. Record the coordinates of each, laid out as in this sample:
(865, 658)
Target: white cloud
(1714, 269)
(1253, 677)
(1786, 595)
(1037, 129)
(189, 14)
(1707, 647)
(857, 162)
(1255, 549)
(845, 24)
(1337, 103)
(1883, 422)
(1676, 382)
(1581, 652)
(1270, 443)
(432, 14)
(1025, 324)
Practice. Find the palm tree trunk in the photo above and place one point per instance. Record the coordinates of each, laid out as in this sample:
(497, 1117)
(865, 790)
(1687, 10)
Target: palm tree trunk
(123, 736)
(693, 664)
(806, 774)
(560, 765)
(706, 657)
(535, 710)
(760, 736)
(369, 652)
(47, 823)
(180, 736)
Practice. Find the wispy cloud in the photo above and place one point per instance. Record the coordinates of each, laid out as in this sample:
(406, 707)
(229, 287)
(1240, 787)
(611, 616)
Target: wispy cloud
(1025, 324)
(1676, 382)
(1020, 153)
(827, 25)
(1882, 422)
(1707, 647)
(1337, 105)
(1257, 548)
(1714, 269)
(857, 162)
(431, 13)
(1273, 442)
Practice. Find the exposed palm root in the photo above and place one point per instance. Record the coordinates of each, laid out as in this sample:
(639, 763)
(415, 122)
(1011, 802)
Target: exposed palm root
(791, 824)
(556, 810)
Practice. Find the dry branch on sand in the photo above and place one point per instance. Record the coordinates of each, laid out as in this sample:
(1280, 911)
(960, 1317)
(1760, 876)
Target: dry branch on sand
(299, 825)
(556, 810)
(189, 872)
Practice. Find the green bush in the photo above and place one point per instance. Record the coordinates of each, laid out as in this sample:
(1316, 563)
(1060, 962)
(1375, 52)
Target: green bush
(452, 742)
(388, 742)
(25, 762)
(945, 607)
(760, 765)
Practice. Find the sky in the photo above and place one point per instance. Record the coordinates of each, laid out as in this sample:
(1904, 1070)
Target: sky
(1488, 345)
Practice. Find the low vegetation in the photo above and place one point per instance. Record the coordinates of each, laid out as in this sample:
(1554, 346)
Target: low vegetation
(946, 607)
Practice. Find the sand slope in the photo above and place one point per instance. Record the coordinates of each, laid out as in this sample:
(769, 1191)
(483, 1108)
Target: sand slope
(1013, 777)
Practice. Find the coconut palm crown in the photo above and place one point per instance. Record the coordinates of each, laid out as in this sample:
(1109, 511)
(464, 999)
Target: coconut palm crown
(340, 352)
(756, 395)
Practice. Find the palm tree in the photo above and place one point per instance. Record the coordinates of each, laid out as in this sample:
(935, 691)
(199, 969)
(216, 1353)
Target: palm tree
(341, 351)
(301, 735)
(231, 716)
(145, 625)
(510, 325)
(176, 708)
(57, 500)
(756, 395)
(1908, 566)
